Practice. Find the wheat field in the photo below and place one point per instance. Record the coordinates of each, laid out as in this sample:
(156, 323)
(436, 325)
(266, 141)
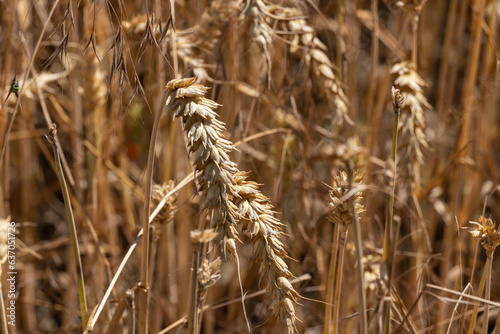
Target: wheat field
(252, 166)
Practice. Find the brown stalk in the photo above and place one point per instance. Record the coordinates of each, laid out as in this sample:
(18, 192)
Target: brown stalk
(444, 64)
(331, 283)
(373, 64)
(390, 234)
(144, 280)
(51, 137)
(461, 175)
(362, 309)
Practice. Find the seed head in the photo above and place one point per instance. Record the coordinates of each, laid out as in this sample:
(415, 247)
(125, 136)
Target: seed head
(487, 234)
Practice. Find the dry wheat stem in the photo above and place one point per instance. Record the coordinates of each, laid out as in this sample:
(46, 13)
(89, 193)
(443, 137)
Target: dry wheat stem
(51, 137)
(362, 309)
(164, 217)
(144, 292)
(229, 198)
(332, 281)
(389, 235)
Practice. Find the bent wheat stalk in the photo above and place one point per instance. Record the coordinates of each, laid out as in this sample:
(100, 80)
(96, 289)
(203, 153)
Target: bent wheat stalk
(229, 198)
(51, 137)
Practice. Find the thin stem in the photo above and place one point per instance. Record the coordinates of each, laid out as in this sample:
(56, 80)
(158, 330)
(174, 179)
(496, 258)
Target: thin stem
(373, 62)
(338, 281)
(414, 43)
(487, 294)
(144, 283)
(330, 302)
(389, 242)
(479, 294)
(72, 226)
(94, 317)
(174, 42)
(193, 315)
(497, 324)
(193, 303)
(363, 321)
(443, 66)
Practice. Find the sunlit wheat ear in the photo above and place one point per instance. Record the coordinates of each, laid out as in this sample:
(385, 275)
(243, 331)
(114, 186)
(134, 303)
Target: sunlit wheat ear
(257, 217)
(412, 139)
(210, 155)
(229, 197)
(166, 214)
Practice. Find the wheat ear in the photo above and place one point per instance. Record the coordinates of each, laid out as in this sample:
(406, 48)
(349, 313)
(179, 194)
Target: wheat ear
(489, 236)
(230, 199)
(412, 124)
(305, 44)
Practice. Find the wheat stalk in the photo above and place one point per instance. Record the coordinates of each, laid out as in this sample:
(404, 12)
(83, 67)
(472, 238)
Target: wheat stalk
(52, 138)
